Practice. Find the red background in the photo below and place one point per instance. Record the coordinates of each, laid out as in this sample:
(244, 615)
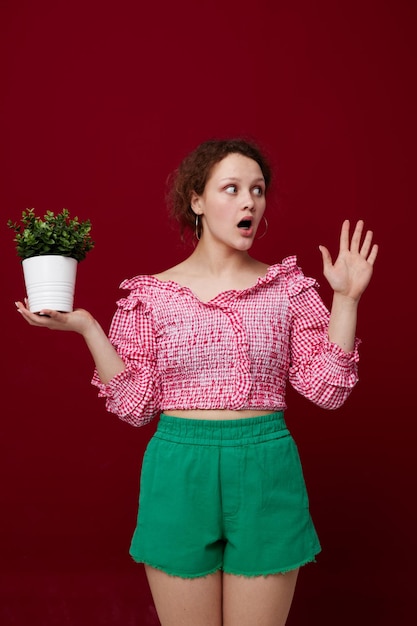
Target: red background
(99, 102)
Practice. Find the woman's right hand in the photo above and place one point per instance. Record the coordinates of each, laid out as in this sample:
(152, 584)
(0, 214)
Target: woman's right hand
(79, 321)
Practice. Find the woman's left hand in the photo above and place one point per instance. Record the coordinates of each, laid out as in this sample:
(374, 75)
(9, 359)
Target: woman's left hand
(350, 274)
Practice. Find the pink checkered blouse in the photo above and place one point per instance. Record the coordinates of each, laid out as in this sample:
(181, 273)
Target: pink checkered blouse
(234, 352)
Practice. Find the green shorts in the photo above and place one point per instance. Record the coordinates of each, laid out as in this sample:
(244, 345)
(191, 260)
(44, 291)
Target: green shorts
(223, 495)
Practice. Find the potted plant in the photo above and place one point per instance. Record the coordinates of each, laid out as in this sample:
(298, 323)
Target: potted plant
(51, 248)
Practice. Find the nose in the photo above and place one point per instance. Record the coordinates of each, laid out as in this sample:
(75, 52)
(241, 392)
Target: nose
(248, 202)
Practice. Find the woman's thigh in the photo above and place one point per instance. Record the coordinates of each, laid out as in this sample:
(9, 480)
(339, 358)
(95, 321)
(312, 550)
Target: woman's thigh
(222, 599)
(186, 601)
(260, 600)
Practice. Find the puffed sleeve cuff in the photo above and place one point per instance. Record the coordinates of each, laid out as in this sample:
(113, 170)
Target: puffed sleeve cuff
(337, 367)
(123, 391)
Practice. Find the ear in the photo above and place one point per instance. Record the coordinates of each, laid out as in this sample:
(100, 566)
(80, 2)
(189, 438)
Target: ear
(196, 203)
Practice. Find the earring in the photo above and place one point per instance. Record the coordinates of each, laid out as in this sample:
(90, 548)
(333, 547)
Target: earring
(266, 228)
(197, 229)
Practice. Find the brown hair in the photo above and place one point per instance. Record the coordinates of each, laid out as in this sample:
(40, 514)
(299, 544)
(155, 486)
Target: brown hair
(194, 171)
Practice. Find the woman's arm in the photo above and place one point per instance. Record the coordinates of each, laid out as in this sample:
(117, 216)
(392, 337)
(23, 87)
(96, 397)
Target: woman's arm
(348, 276)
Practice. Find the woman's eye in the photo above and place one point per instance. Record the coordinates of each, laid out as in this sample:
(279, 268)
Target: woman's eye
(258, 191)
(231, 188)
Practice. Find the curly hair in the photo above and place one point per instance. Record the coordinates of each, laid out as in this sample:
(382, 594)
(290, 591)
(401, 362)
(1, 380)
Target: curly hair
(193, 173)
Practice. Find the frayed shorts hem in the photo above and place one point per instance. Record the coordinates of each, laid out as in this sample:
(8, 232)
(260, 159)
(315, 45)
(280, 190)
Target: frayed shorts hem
(213, 570)
(220, 568)
(271, 572)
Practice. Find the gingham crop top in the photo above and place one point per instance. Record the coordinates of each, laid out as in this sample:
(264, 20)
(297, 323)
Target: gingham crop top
(234, 352)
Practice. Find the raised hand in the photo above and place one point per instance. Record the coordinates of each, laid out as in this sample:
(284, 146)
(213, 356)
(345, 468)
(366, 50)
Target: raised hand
(350, 274)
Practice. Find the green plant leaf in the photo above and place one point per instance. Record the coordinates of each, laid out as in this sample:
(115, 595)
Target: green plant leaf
(52, 234)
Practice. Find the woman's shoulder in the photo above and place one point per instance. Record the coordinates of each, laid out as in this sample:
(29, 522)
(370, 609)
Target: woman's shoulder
(287, 268)
(139, 282)
(144, 291)
(289, 273)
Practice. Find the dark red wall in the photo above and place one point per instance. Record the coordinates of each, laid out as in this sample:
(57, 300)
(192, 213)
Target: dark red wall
(99, 102)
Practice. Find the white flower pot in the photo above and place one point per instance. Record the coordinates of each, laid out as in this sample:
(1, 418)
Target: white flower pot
(50, 282)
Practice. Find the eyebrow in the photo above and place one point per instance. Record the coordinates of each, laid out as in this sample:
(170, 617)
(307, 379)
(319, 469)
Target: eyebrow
(261, 179)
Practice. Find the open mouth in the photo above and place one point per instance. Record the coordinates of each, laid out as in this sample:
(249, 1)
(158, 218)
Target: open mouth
(245, 224)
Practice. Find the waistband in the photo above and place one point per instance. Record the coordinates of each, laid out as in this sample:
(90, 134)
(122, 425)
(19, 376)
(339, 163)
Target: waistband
(222, 432)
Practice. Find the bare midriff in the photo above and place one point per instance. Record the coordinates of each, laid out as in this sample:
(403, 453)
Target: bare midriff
(216, 414)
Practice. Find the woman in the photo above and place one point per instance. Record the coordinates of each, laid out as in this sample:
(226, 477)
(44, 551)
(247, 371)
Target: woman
(223, 524)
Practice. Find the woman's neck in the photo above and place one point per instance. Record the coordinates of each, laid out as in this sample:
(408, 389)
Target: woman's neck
(213, 263)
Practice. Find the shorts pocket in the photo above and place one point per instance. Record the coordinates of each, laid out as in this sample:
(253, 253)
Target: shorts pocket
(282, 482)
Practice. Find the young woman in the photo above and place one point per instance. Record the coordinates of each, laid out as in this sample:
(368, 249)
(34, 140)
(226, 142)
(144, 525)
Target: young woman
(223, 524)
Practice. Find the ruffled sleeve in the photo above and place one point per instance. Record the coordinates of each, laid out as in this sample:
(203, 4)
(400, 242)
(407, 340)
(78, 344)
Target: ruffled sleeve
(319, 369)
(134, 394)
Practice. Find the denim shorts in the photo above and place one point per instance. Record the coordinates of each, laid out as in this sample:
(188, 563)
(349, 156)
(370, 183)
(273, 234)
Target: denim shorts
(223, 495)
